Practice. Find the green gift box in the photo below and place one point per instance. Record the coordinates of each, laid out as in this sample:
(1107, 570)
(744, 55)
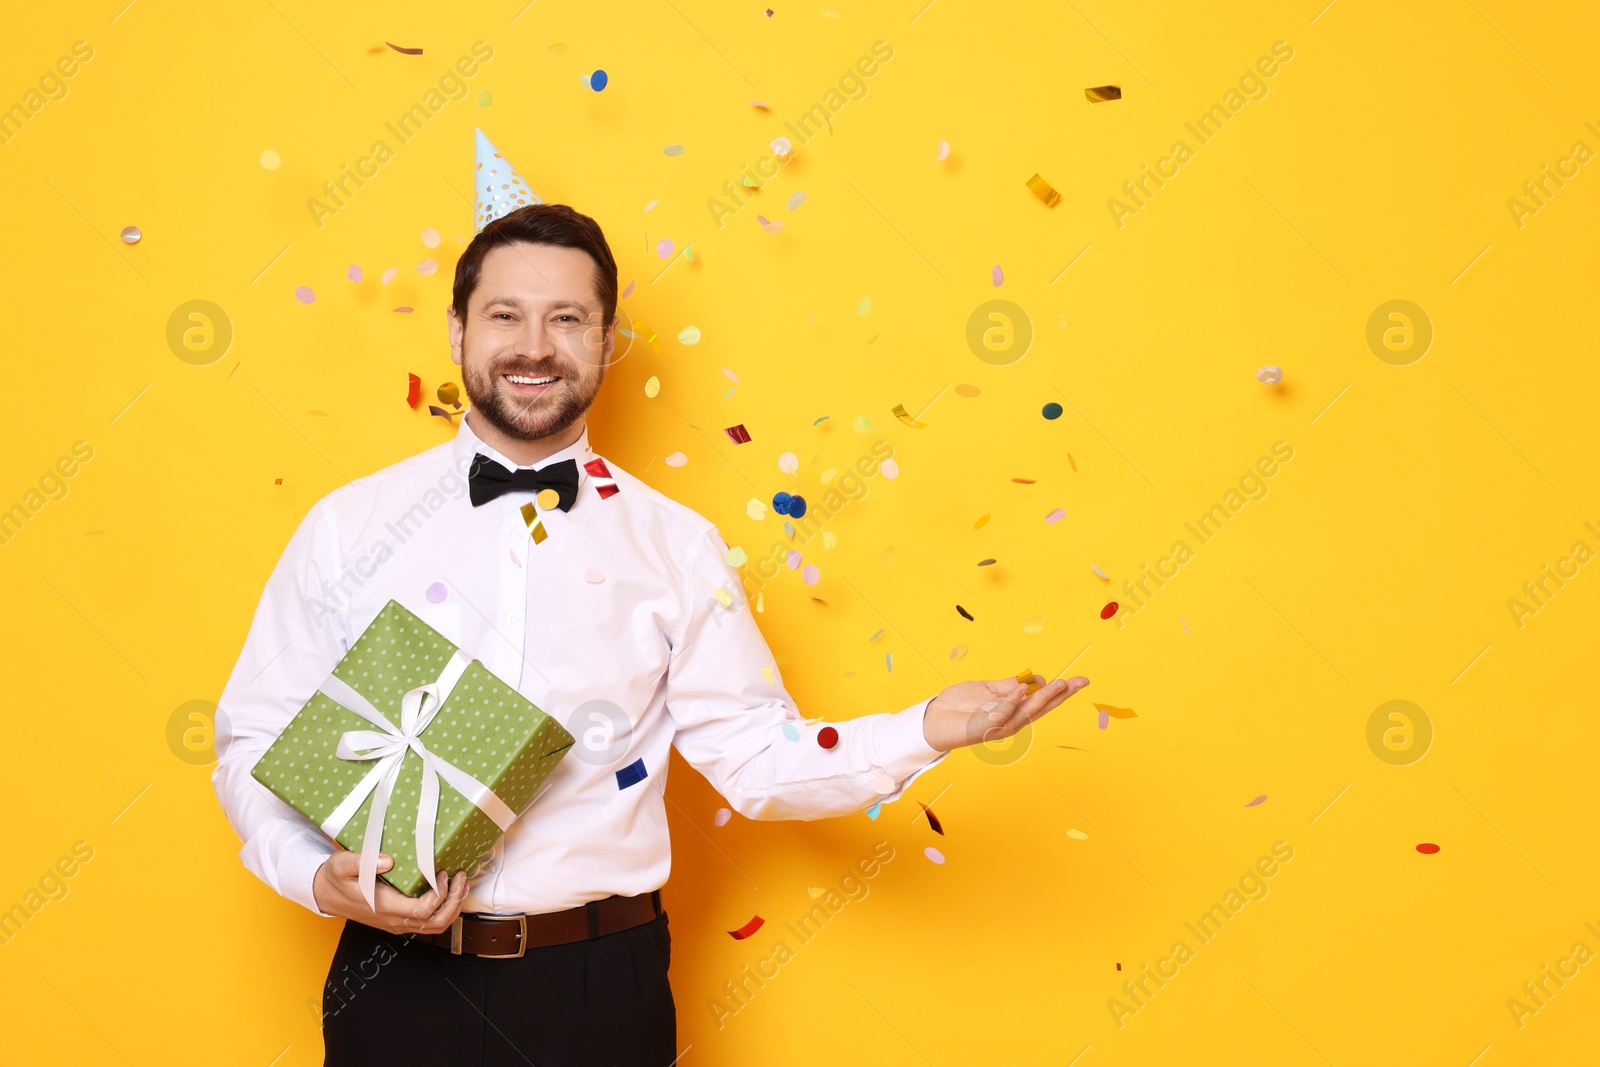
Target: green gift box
(354, 744)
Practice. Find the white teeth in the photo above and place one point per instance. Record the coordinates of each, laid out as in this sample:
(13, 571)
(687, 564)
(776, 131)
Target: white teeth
(520, 379)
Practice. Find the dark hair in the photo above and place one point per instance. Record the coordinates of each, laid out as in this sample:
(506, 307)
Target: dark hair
(540, 224)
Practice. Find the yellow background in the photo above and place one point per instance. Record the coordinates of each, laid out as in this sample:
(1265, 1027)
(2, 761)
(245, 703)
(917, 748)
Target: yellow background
(1377, 168)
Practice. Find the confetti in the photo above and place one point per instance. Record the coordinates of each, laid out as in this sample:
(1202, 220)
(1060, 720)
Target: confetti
(888, 662)
(943, 152)
(688, 253)
(762, 104)
(404, 51)
(449, 393)
(1116, 712)
(797, 506)
(1073, 462)
(724, 596)
(796, 199)
(354, 273)
(862, 424)
(594, 576)
(1185, 627)
(967, 390)
(998, 275)
(1026, 677)
(436, 593)
(987, 562)
(652, 386)
(677, 459)
(747, 929)
(1077, 835)
(555, 50)
(1109, 610)
(404, 310)
(388, 275)
(628, 291)
(790, 732)
(889, 469)
(131, 235)
(1104, 718)
(305, 295)
(769, 225)
(737, 434)
(957, 652)
(1257, 800)
(1051, 410)
(827, 737)
(933, 820)
(864, 307)
(883, 784)
(673, 150)
(899, 412)
(933, 854)
(1026, 481)
(600, 475)
(690, 335)
(484, 98)
(788, 463)
(597, 81)
(781, 146)
(275, 481)
(536, 530)
(964, 613)
(1033, 626)
(1102, 93)
(813, 892)
(1427, 848)
(829, 541)
(642, 329)
(983, 520)
(810, 575)
(721, 817)
(872, 812)
(1043, 190)
(1269, 375)
(270, 160)
(793, 560)
(632, 774)
(756, 509)
(664, 248)
(1055, 516)
(1100, 572)
(413, 390)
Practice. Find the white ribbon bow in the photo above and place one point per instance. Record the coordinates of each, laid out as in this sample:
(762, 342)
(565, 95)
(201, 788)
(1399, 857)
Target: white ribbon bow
(388, 745)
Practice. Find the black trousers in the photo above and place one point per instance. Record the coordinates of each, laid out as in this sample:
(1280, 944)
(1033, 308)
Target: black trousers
(605, 1002)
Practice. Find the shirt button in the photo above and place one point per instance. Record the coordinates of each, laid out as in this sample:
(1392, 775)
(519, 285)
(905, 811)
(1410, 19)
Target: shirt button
(512, 618)
(515, 537)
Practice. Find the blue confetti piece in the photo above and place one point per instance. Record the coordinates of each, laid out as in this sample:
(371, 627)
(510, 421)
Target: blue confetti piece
(598, 80)
(872, 812)
(780, 502)
(632, 774)
(797, 506)
(790, 732)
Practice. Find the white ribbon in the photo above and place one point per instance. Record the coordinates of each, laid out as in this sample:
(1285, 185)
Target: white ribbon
(389, 748)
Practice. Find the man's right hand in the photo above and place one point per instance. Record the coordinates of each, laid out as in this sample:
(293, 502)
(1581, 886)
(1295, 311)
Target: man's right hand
(337, 890)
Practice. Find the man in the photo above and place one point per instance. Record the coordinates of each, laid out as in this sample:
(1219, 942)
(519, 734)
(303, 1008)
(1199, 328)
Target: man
(624, 621)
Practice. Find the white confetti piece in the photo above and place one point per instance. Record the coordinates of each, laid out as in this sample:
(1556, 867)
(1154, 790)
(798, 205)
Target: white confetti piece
(430, 237)
(788, 463)
(677, 459)
(594, 576)
(933, 854)
(756, 509)
(721, 817)
(889, 469)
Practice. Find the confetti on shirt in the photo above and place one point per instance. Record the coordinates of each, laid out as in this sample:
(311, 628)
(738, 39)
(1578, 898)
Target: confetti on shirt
(827, 737)
(632, 774)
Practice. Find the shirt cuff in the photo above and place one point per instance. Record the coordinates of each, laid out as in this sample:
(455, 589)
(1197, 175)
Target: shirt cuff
(903, 750)
(297, 876)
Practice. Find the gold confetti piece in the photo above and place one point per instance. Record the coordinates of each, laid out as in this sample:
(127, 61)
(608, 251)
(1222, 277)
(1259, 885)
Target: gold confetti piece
(724, 597)
(957, 652)
(1077, 835)
(756, 509)
(1044, 191)
(814, 892)
(1033, 626)
(449, 393)
(1117, 713)
(766, 672)
(828, 475)
(1024, 481)
(982, 521)
(1073, 462)
(829, 541)
(652, 386)
(536, 529)
(643, 330)
(967, 390)
(899, 412)
(818, 599)
(1026, 678)
(1101, 93)
(737, 557)
(548, 499)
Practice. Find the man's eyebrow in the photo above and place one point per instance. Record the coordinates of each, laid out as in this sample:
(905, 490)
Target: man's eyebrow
(517, 304)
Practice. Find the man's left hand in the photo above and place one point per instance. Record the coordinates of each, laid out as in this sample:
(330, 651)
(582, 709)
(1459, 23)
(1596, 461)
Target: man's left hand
(970, 713)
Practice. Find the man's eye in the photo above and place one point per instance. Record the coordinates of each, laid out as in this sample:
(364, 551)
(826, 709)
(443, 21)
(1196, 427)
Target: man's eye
(503, 315)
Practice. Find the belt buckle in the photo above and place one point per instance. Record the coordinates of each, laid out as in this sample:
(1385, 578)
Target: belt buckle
(522, 936)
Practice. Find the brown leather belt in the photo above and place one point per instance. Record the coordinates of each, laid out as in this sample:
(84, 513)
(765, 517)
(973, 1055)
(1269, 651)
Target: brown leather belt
(504, 937)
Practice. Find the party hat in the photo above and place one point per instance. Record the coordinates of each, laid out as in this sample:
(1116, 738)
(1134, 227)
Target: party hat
(501, 190)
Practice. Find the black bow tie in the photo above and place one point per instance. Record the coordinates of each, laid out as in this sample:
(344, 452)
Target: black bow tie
(488, 479)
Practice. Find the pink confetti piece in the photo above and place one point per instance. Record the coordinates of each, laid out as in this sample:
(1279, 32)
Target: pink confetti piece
(944, 151)
(626, 292)
(782, 146)
(1055, 516)
(515, 558)
(793, 560)
(889, 469)
(664, 249)
(1256, 801)
(762, 104)
(883, 783)
(427, 267)
(933, 854)
(769, 225)
(810, 575)
(999, 275)
(1185, 627)
(405, 310)
(388, 275)
(305, 295)
(354, 273)
(436, 593)
(731, 376)
(594, 576)
(650, 205)
(721, 817)
(430, 237)
(1104, 719)
(677, 459)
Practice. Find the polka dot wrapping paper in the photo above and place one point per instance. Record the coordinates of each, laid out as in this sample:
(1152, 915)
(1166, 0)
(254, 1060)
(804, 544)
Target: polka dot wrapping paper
(486, 728)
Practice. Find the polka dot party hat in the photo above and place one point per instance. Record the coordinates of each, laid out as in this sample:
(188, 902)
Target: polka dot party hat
(501, 190)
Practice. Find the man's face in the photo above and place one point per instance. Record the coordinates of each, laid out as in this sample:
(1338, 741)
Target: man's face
(533, 350)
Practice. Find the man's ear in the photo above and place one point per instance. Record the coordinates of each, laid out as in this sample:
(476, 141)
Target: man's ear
(611, 343)
(457, 331)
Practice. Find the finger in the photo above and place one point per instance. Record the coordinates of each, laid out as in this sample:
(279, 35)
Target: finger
(1048, 698)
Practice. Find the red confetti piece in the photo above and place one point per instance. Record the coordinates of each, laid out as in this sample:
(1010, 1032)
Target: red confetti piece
(747, 929)
(1427, 849)
(1119, 966)
(738, 434)
(827, 737)
(604, 483)
(964, 613)
(1257, 800)
(404, 51)
(414, 390)
(933, 820)
(1109, 610)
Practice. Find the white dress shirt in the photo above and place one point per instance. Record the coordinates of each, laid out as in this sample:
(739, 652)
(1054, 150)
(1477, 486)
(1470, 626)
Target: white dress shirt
(614, 625)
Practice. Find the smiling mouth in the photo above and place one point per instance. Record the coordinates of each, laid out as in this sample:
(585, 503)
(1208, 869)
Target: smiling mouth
(530, 385)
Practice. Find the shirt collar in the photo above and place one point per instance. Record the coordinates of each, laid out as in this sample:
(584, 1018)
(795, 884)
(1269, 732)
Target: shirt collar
(468, 443)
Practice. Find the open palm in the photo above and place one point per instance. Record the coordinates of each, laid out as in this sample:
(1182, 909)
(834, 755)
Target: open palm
(970, 713)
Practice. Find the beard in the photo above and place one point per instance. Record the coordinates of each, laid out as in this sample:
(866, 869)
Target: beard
(530, 418)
